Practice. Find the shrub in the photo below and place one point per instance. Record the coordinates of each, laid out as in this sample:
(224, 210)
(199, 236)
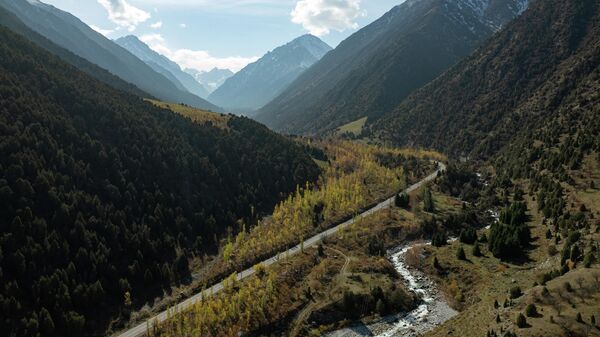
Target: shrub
(568, 287)
(545, 292)
(521, 321)
(515, 292)
(552, 250)
(531, 310)
(579, 318)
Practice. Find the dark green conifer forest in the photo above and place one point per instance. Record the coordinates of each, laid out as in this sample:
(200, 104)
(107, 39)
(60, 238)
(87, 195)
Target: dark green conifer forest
(103, 197)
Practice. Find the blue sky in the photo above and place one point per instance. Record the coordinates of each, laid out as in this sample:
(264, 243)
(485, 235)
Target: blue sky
(202, 34)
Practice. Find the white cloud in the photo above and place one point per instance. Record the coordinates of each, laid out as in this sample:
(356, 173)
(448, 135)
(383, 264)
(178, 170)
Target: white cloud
(104, 32)
(156, 25)
(195, 59)
(124, 14)
(182, 25)
(320, 17)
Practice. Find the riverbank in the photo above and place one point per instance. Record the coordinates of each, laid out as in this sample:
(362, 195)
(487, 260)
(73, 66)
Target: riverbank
(431, 312)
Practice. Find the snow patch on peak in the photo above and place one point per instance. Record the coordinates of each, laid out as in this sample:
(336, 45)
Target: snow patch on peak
(522, 6)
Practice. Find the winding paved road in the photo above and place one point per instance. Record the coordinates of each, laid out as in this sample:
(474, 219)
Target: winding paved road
(140, 329)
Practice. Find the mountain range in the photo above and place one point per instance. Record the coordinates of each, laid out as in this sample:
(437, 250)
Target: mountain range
(373, 70)
(538, 74)
(67, 31)
(211, 80)
(162, 65)
(261, 81)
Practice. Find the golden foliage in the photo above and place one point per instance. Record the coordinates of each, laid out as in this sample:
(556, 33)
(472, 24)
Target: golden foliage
(238, 308)
(351, 181)
(196, 115)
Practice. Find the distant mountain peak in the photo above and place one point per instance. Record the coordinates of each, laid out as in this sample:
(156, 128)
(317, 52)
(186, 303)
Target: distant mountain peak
(312, 44)
(69, 32)
(259, 82)
(211, 79)
(377, 67)
(163, 65)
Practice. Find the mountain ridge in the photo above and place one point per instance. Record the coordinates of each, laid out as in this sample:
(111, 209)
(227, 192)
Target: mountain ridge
(257, 83)
(162, 65)
(67, 31)
(510, 84)
(377, 67)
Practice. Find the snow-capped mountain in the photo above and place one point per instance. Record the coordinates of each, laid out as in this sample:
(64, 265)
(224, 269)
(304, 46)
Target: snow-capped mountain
(211, 80)
(162, 65)
(259, 82)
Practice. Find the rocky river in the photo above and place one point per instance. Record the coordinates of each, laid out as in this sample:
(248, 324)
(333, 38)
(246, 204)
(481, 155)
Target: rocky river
(431, 312)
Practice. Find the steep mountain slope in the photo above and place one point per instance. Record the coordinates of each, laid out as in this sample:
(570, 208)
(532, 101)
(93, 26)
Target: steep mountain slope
(540, 69)
(162, 65)
(103, 196)
(10, 21)
(372, 71)
(70, 33)
(259, 82)
(212, 79)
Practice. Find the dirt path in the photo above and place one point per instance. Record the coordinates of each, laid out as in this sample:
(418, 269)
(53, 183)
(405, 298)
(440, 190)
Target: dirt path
(309, 308)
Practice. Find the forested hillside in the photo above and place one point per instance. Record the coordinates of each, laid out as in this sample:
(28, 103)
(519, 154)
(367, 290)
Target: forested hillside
(10, 21)
(539, 74)
(376, 68)
(67, 31)
(103, 196)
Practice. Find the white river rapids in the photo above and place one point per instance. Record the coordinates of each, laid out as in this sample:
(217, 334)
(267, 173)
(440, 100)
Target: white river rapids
(431, 312)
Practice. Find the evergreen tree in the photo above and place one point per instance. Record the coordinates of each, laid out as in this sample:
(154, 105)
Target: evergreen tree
(428, 202)
(460, 254)
(521, 321)
(402, 200)
(476, 250)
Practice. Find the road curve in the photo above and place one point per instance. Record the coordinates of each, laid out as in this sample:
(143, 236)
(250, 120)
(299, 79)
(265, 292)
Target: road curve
(140, 330)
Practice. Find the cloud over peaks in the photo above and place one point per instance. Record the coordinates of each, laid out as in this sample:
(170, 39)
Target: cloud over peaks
(124, 14)
(320, 17)
(195, 59)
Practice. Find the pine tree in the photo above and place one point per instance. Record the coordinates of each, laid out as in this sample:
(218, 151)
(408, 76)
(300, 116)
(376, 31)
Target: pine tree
(428, 202)
(460, 254)
(531, 310)
(521, 321)
(476, 250)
